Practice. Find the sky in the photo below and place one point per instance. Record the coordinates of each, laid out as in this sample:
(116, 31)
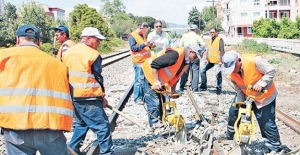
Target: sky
(172, 11)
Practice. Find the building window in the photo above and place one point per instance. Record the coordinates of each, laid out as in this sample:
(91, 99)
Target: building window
(284, 14)
(256, 15)
(243, 16)
(256, 2)
(284, 2)
(271, 15)
(249, 30)
(243, 2)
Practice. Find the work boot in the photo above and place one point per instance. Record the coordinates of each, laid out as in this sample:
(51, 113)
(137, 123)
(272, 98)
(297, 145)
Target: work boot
(218, 91)
(180, 91)
(203, 88)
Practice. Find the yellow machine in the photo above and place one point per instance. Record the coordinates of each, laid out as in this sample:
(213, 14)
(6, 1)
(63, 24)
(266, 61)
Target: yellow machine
(171, 116)
(244, 126)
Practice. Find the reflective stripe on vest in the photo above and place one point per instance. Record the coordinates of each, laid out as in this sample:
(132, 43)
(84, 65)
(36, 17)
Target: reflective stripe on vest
(36, 109)
(81, 74)
(69, 43)
(167, 74)
(85, 85)
(139, 57)
(251, 78)
(214, 54)
(34, 92)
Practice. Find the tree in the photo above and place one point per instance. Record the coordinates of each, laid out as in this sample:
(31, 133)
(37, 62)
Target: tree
(288, 29)
(8, 25)
(121, 24)
(33, 14)
(194, 16)
(83, 16)
(109, 9)
(148, 19)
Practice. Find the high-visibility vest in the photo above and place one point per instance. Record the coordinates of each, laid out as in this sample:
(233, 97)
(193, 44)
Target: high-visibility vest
(252, 76)
(214, 54)
(139, 57)
(69, 43)
(79, 60)
(167, 75)
(34, 90)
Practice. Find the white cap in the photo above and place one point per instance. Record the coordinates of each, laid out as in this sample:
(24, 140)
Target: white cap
(196, 48)
(229, 60)
(91, 31)
(193, 27)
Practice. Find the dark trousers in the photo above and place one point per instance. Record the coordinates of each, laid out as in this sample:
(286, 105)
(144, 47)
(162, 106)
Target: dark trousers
(195, 75)
(266, 119)
(204, 78)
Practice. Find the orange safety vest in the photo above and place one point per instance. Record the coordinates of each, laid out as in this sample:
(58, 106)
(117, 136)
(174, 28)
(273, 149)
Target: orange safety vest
(59, 53)
(214, 54)
(252, 76)
(34, 91)
(168, 74)
(79, 60)
(139, 57)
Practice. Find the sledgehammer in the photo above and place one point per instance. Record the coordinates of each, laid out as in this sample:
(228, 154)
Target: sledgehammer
(126, 116)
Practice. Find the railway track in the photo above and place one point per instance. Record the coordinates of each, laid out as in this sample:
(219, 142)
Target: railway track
(124, 100)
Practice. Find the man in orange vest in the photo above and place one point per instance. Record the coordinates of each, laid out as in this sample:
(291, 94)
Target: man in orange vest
(140, 51)
(85, 66)
(252, 69)
(35, 101)
(62, 36)
(213, 57)
(164, 67)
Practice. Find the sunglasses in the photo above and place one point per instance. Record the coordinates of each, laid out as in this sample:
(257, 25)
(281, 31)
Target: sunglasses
(158, 26)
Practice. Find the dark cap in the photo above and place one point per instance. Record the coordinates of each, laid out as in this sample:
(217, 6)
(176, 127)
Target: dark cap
(22, 31)
(61, 28)
(144, 24)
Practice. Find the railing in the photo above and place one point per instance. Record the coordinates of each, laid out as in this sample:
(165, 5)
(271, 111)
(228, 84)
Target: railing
(285, 45)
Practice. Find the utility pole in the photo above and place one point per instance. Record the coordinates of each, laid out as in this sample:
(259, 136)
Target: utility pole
(213, 12)
(268, 14)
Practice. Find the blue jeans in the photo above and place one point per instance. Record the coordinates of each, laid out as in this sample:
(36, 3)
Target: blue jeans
(137, 88)
(90, 114)
(185, 75)
(27, 142)
(266, 119)
(204, 79)
(153, 103)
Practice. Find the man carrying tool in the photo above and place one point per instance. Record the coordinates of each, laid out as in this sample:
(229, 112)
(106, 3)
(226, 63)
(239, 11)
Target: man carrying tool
(252, 69)
(85, 66)
(213, 57)
(35, 101)
(140, 51)
(62, 36)
(191, 38)
(165, 67)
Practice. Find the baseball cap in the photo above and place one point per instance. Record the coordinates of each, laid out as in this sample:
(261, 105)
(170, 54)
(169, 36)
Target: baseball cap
(91, 31)
(22, 31)
(229, 59)
(194, 27)
(196, 48)
(61, 28)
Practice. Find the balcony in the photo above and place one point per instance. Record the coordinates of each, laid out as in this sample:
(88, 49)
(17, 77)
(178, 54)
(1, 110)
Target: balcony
(279, 5)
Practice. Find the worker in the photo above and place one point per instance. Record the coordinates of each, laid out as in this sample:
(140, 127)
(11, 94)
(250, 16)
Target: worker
(213, 57)
(85, 67)
(252, 69)
(165, 67)
(35, 101)
(163, 37)
(140, 51)
(62, 36)
(188, 38)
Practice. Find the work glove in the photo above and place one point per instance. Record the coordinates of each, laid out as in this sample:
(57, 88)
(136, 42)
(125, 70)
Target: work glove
(54, 51)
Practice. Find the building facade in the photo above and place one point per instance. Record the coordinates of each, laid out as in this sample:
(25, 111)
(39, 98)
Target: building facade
(238, 15)
(2, 4)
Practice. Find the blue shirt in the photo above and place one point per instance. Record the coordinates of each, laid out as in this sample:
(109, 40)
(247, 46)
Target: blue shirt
(133, 44)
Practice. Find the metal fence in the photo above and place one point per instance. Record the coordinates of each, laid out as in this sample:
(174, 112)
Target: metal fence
(285, 45)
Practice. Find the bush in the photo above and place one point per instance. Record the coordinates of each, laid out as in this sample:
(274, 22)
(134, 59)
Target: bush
(109, 46)
(46, 47)
(250, 45)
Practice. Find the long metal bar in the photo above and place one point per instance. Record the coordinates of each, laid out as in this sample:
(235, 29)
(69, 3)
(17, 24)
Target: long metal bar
(194, 103)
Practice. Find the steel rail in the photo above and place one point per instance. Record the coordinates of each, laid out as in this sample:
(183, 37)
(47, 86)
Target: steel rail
(114, 54)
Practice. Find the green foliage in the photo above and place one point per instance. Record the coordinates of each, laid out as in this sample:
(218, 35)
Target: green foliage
(111, 8)
(265, 28)
(148, 19)
(274, 61)
(250, 45)
(33, 14)
(8, 25)
(46, 47)
(121, 24)
(173, 34)
(83, 16)
(106, 47)
(194, 16)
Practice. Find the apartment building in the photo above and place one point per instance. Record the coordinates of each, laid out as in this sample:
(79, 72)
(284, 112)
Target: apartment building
(238, 16)
(2, 4)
